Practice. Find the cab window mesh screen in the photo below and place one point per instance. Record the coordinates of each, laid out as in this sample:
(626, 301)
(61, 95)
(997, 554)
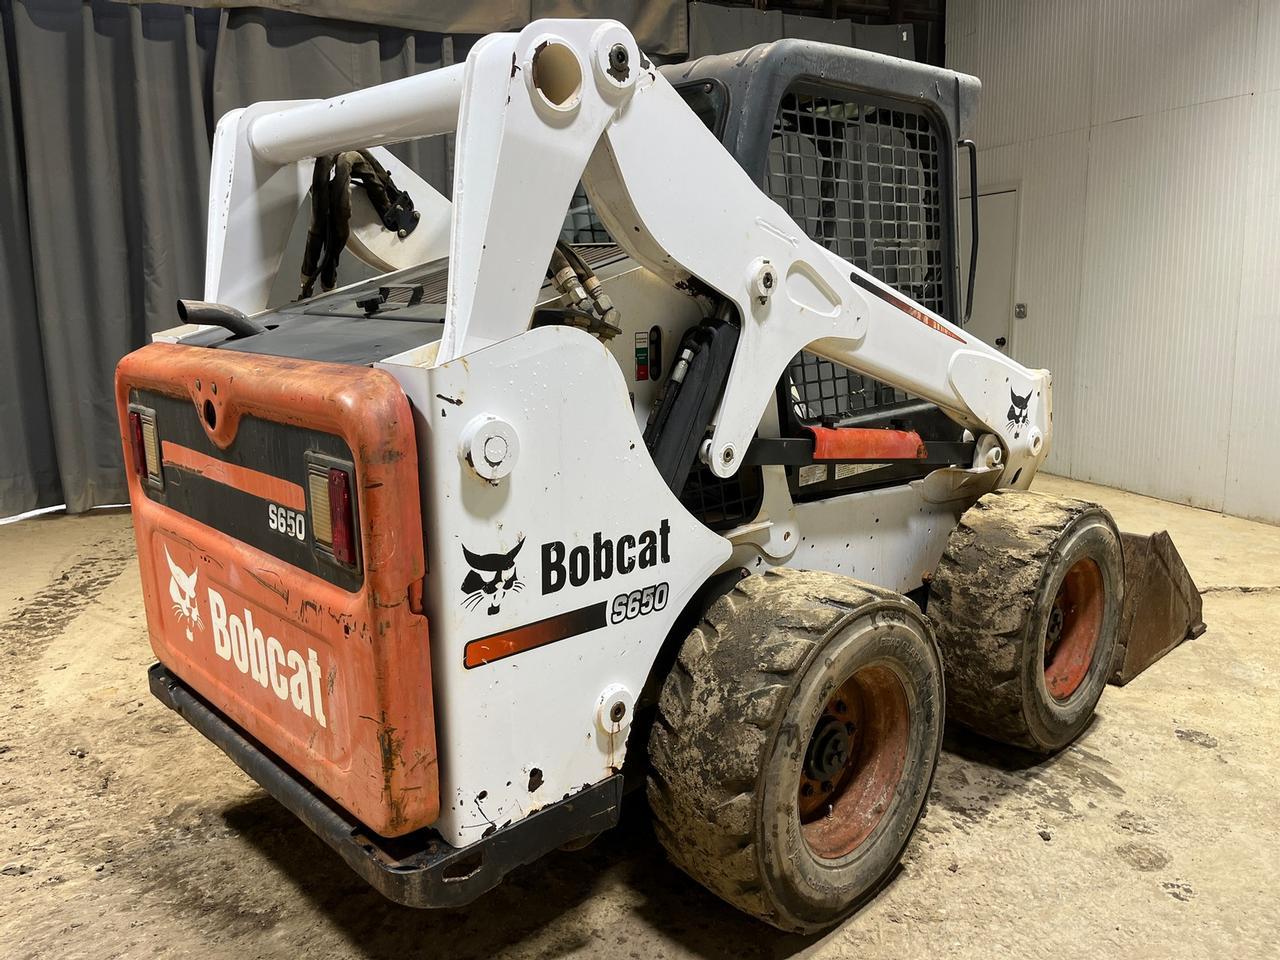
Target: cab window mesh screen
(823, 391)
(865, 181)
(722, 504)
(581, 225)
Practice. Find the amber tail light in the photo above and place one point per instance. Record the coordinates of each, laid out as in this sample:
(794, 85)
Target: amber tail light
(139, 447)
(145, 444)
(333, 515)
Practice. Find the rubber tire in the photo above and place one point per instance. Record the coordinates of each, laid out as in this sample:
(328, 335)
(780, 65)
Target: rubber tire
(734, 718)
(989, 602)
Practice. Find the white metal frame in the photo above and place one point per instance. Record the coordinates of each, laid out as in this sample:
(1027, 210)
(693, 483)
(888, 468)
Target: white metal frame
(660, 181)
(535, 112)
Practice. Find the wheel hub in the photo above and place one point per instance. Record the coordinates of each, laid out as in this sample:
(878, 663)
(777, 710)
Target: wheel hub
(1056, 619)
(853, 761)
(1072, 629)
(828, 749)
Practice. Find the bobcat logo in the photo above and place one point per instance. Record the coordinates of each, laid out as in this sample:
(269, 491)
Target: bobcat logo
(1017, 412)
(492, 575)
(182, 590)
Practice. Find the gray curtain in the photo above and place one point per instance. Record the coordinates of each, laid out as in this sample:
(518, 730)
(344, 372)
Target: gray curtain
(106, 142)
(719, 29)
(28, 464)
(106, 113)
(658, 25)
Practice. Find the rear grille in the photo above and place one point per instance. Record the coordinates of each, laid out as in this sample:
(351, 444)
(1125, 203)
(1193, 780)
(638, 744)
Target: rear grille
(865, 181)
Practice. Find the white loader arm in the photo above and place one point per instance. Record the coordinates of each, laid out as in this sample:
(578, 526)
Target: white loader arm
(566, 100)
(255, 199)
(661, 180)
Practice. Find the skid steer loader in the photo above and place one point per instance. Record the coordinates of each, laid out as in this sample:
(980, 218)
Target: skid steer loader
(445, 558)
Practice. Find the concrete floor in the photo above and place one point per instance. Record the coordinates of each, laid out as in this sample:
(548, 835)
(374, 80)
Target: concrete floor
(124, 833)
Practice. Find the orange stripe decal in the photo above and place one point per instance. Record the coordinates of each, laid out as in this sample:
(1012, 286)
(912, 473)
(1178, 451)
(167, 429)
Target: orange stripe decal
(499, 646)
(264, 485)
(906, 307)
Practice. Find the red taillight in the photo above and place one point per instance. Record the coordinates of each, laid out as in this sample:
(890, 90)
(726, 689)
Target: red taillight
(341, 519)
(139, 444)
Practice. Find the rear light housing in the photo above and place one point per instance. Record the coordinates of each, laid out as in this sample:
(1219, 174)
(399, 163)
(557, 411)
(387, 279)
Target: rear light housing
(341, 520)
(331, 502)
(145, 443)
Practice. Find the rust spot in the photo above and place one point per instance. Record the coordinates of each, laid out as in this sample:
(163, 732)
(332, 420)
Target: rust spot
(535, 779)
(389, 745)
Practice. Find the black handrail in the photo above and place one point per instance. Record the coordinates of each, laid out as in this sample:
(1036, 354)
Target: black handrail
(973, 223)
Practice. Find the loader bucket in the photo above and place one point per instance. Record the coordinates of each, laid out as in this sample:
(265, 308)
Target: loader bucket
(1162, 606)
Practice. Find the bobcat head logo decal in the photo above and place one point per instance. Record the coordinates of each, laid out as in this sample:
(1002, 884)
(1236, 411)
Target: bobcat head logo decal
(182, 591)
(1017, 412)
(491, 577)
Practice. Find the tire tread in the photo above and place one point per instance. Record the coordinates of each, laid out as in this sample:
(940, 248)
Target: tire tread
(713, 730)
(981, 603)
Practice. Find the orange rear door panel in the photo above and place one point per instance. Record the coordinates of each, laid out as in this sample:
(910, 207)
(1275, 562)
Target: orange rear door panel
(328, 668)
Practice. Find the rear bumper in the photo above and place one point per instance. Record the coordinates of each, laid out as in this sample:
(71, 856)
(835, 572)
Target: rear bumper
(419, 869)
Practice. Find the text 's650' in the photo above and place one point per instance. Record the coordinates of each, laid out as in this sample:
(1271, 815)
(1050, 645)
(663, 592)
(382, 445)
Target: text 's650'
(639, 602)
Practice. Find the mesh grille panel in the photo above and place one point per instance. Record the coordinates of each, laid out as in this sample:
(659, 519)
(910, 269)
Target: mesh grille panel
(722, 504)
(581, 224)
(822, 390)
(863, 180)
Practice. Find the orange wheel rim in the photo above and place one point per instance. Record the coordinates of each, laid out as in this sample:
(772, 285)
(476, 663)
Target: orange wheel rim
(1075, 623)
(853, 762)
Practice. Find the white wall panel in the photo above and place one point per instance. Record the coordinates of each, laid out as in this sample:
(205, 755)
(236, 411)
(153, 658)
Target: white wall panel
(1035, 61)
(1266, 60)
(1156, 55)
(1253, 463)
(1160, 298)
(1144, 140)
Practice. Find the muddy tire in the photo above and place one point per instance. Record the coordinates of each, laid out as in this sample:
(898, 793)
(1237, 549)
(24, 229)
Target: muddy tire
(1026, 605)
(795, 742)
